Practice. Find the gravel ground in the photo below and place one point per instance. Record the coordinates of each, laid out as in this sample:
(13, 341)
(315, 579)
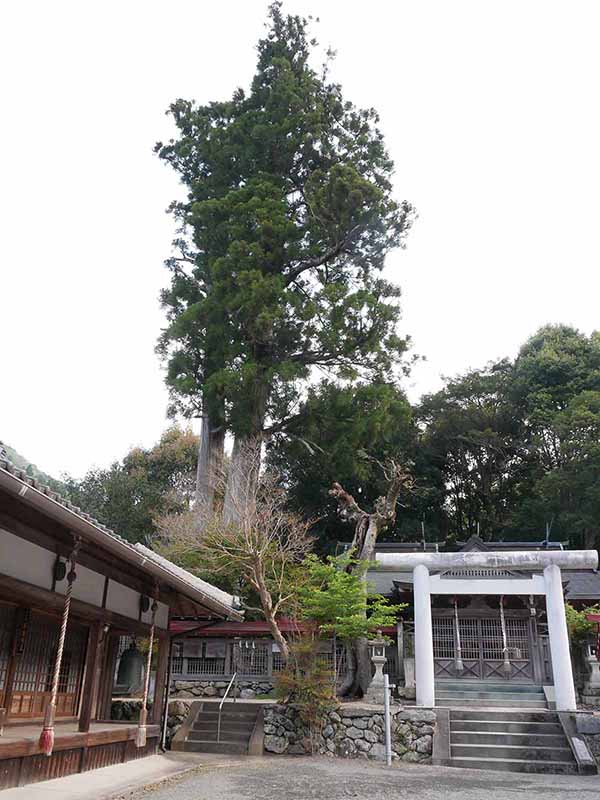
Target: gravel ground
(329, 779)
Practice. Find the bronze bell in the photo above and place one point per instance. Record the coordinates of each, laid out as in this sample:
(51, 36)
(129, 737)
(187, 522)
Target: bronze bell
(131, 668)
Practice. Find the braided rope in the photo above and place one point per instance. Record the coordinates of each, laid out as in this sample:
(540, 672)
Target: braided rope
(46, 742)
(140, 738)
(63, 633)
(504, 637)
(458, 660)
(149, 658)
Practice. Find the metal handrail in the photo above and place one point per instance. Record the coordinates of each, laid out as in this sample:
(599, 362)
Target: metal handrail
(227, 690)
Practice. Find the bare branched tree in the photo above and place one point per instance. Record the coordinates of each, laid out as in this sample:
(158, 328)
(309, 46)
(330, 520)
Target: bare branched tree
(263, 547)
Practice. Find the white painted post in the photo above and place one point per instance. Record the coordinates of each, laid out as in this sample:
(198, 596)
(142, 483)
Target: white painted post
(423, 638)
(387, 720)
(564, 689)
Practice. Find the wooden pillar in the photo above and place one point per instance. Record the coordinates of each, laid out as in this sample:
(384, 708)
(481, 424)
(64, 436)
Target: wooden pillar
(161, 675)
(90, 680)
(107, 677)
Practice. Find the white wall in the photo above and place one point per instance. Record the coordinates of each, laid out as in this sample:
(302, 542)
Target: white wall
(26, 561)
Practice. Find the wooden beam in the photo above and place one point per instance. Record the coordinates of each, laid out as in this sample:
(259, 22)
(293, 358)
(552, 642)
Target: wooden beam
(56, 539)
(43, 600)
(29, 746)
(90, 680)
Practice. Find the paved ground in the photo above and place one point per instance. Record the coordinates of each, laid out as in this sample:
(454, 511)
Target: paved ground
(328, 779)
(120, 780)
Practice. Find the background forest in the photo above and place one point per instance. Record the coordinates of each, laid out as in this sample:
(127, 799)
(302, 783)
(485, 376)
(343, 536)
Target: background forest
(511, 450)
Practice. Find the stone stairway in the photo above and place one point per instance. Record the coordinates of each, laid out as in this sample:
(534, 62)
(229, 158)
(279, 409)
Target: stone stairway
(489, 695)
(511, 740)
(238, 724)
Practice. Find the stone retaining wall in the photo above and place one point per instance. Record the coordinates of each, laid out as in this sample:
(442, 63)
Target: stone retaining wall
(351, 731)
(246, 689)
(589, 726)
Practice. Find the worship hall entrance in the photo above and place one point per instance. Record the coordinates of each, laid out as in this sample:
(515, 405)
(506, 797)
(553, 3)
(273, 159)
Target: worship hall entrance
(485, 647)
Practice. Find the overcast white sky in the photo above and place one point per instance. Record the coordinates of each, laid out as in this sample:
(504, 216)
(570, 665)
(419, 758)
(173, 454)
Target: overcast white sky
(491, 114)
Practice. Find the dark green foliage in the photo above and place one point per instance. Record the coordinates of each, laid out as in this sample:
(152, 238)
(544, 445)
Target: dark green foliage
(475, 437)
(131, 494)
(518, 443)
(336, 435)
(284, 230)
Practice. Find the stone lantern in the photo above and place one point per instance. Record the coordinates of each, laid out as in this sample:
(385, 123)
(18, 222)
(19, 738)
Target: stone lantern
(376, 692)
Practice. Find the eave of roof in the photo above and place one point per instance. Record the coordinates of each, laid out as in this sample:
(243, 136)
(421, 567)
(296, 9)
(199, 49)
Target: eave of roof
(17, 482)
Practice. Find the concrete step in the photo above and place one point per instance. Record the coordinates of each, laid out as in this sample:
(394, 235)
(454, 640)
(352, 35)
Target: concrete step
(488, 686)
(239, 716)
(234, 727)
(510, 715)
(512, 752)
(496, 726)
(238, 705)
(493, 704)
(211, 736)
(516, 765)
(208, 746)
(520, 697)
(500, 737)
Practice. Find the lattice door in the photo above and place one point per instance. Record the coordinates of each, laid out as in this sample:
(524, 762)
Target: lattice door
(252, 658)
(33, 674)
(7, 621)
(482, 648)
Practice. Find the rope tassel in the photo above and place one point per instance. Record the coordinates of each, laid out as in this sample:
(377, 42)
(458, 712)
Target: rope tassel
(46, 741)
(140, 734)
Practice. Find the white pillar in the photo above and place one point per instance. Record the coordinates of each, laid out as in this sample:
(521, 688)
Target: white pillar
(424, 675)
(564, 689)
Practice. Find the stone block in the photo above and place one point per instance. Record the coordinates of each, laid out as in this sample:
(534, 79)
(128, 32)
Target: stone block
(347, 748)
(275, 744)
(354, 733)
(247, 694)
(377, 752)
(588, 723)
(411, 757)
(416, 715)
(362, 745)
(328, 731)
(296, 750)
(424, 744)
(354, 711)
(370, 736)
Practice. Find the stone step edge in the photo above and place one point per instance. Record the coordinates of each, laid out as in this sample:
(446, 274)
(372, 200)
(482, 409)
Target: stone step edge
(515, 761)
(505, 733)
(515, 747)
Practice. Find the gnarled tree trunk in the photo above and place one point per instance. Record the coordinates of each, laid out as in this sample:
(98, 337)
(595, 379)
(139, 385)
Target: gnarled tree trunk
(367, 529)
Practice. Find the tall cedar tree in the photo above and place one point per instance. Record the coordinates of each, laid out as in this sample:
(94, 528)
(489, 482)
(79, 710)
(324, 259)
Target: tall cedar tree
(282, 238)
